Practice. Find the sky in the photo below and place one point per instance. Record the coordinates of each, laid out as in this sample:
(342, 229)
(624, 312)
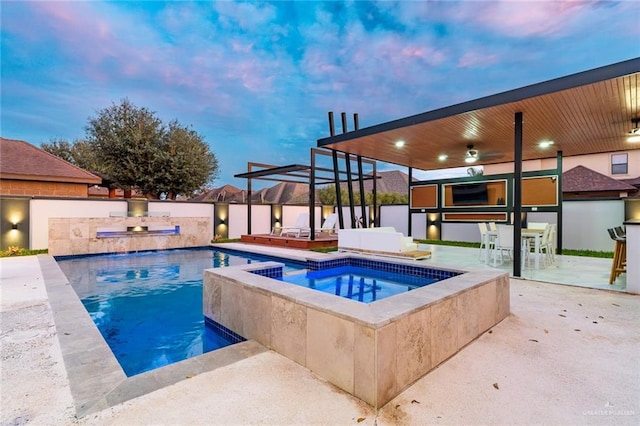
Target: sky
(257, 79)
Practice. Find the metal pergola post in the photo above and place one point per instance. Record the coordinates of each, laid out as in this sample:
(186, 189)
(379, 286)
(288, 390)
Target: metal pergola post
(517, 195)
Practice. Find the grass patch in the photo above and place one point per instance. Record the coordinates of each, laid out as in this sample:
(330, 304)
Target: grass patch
(588, 253)
(324, 249)
(17, 251)
(449, 243)
(225, 240)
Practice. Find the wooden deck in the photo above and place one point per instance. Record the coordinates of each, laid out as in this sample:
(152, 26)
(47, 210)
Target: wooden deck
(322, 240)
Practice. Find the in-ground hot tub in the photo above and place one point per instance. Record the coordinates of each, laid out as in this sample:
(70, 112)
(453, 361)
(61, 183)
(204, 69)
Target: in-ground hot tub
(373, 351)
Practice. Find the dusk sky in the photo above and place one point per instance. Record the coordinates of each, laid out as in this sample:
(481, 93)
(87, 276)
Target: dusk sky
(256, 79)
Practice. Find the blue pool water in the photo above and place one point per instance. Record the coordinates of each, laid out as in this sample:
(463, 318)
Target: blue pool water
(358, 283)
(148, 306)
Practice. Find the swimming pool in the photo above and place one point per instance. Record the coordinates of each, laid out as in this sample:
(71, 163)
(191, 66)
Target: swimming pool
(358, 283)
(148, 305)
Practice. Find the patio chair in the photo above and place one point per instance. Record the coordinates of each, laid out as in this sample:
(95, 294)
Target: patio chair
(504, 243)
(329, 224)
(537, 225)
(485, 242)
(546, 245)
(299, 229)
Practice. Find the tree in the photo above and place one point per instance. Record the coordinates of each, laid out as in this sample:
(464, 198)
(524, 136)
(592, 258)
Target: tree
(136, 150)
(327, 196)
(79, 153)
(186, 164)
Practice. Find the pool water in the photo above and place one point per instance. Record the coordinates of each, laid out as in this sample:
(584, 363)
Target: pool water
(148, 305)
(358, 283)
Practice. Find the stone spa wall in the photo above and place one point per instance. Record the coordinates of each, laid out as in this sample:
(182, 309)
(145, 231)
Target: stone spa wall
(373, 351)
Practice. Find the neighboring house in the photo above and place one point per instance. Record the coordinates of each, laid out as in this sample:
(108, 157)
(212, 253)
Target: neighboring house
(26, 170)
(224, 194)
(389, 182)
(582, 182)
(603, 175)
(617, 165)
(393, 181)
(283, 193)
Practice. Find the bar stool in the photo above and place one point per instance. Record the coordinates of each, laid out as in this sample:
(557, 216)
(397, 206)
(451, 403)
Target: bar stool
(619, 255)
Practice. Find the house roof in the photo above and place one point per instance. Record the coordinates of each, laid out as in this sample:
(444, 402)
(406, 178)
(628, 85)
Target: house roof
(284, 193)
(635, 182)
(20, 160)
(583, 179)
(584, 113)
(225, 194)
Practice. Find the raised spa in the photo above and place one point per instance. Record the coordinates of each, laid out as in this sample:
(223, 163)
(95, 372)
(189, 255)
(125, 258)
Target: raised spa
(364, 280)
(372, 350)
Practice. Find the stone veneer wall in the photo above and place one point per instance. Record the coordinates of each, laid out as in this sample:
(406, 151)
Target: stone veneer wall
(373, 351)
(77, 236)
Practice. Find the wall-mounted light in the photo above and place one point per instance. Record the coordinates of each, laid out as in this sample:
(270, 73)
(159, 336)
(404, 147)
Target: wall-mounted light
(14, 226)
(222, 221)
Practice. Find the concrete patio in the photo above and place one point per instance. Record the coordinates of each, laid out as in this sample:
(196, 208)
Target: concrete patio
(565, 355)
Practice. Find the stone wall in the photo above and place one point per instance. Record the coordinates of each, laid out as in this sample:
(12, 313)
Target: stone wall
(77, 236)
(373, 351)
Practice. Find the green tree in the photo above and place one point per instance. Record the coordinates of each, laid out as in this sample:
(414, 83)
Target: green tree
(79, 153)
(126, 140)
(186, 164)
(327, 196)
(136, 150)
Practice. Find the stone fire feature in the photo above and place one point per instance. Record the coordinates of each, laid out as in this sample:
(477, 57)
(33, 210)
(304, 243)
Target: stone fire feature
(71, 236)
(373, 351)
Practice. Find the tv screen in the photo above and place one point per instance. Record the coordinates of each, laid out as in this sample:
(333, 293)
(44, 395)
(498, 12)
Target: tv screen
(470, 193)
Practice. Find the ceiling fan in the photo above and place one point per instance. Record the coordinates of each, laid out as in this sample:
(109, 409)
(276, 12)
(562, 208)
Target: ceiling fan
(471, 156)
(635, 130)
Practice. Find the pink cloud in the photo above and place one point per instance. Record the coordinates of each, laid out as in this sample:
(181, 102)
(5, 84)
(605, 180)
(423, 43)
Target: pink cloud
(526, 19)
(473, 59)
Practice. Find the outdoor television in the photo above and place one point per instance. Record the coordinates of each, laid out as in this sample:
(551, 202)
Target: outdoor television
(470, 193)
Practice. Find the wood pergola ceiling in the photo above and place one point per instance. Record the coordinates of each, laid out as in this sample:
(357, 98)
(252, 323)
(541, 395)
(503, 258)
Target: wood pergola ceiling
(584, 113)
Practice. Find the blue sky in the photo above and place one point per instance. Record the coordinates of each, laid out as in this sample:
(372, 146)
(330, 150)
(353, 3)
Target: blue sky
(256, 79)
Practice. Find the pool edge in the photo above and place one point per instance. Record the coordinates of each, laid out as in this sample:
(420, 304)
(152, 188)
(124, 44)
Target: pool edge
(95, 377)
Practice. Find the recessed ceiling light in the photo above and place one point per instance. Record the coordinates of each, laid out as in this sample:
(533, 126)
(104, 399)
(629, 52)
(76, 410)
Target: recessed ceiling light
(633, 138)
(442, 157)
(545, 144)
(399, 144)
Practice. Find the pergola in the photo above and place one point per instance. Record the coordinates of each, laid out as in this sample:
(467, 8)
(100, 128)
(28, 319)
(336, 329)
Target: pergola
(314, 175)
(585, 113)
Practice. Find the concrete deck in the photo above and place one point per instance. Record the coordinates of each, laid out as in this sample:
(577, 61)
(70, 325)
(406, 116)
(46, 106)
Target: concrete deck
(565, 355)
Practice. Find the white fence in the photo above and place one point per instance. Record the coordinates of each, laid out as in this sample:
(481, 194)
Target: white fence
(584, 227)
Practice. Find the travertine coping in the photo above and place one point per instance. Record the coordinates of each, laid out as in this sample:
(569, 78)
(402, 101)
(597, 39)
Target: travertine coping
(96, 379)
(373, 351)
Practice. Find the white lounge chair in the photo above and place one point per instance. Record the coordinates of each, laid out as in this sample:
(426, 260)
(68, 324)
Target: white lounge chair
(299, 229)
(329, 224)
